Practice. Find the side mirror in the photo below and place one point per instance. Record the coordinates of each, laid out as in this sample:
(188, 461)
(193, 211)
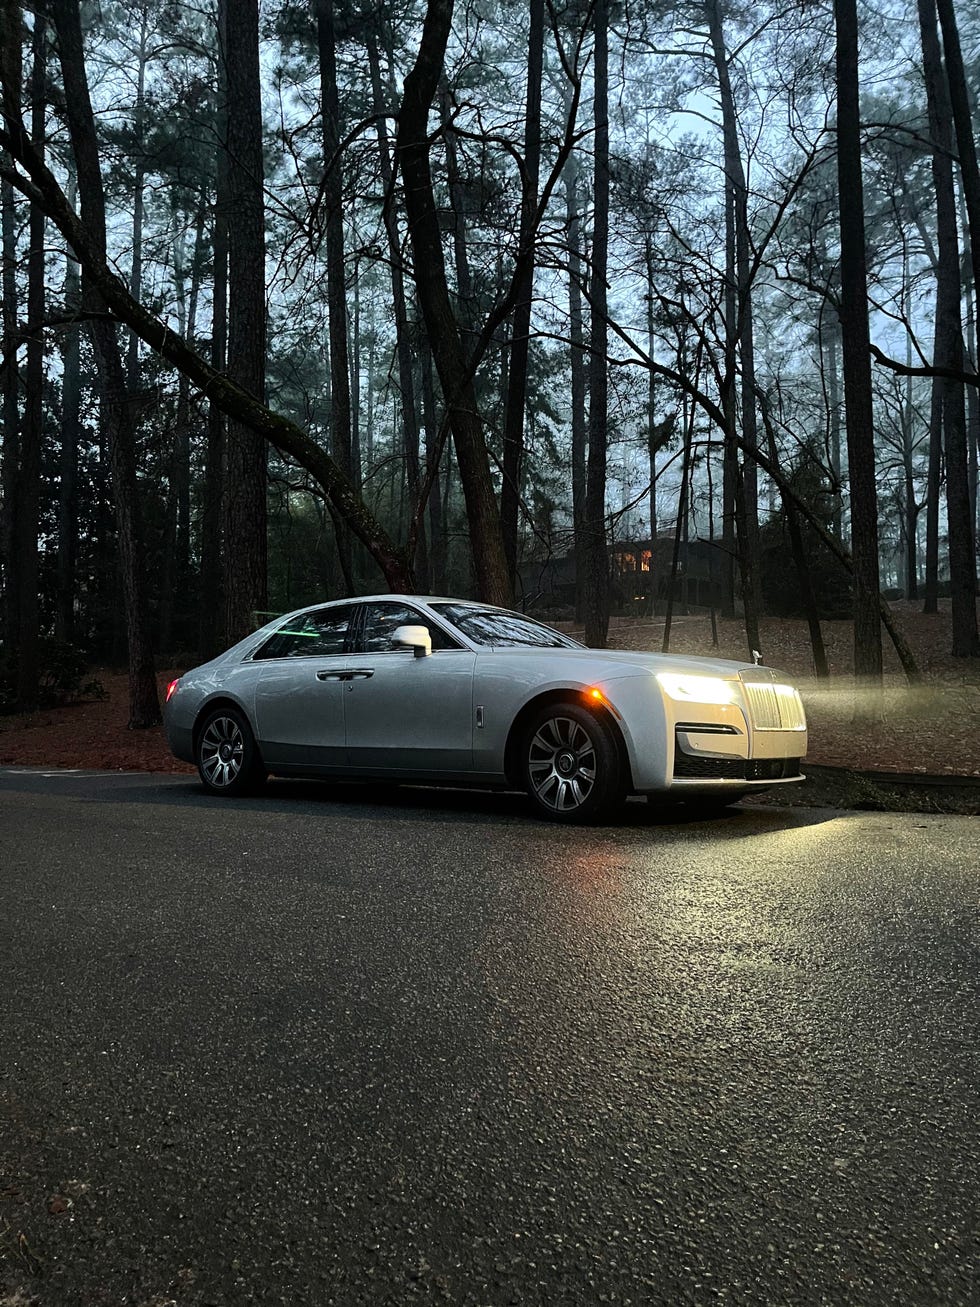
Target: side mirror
(416, 638)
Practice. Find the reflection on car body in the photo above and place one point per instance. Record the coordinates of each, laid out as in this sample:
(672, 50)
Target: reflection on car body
(411, 688)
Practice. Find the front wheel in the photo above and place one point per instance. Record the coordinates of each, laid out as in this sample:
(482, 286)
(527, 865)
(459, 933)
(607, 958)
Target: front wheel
(571, 765)
(228, 760)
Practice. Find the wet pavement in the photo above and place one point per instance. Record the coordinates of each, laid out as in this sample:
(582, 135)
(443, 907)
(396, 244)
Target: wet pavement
(353, 1045)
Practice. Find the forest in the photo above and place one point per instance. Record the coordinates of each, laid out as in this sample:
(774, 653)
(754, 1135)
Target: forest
(303, 300)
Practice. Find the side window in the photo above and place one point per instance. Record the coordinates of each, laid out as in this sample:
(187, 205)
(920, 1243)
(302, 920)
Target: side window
(318, 634)
(380, 620)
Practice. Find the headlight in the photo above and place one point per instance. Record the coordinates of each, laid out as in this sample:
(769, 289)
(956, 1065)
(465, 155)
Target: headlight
(696, 689)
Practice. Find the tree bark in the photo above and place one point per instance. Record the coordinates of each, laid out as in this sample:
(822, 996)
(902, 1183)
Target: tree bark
(596, 591)
(244, 553)
(966, 145)
(834, 400)
(27, 507)
(579, 379)
(11, 427)
(403, 350)
(466, 310)
(513, 451)
(739, 335)
(437, 518)
(71, 395)
(341, 445)
(930, 592)
(651, 423)
(949, 349)
(144, 706)
(489, 559)
(855, 341)
(911, 508)
(139, 181)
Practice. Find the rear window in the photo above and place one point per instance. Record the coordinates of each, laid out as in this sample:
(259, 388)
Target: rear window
(310, 635)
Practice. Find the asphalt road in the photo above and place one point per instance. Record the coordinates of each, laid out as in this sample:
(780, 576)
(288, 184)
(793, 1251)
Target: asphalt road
(358, 1046)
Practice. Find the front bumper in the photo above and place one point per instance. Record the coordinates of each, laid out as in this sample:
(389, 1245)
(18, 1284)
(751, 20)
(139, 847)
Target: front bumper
(759, 741)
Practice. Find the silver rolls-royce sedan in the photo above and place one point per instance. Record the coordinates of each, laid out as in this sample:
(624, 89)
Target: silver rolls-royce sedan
(405, 688)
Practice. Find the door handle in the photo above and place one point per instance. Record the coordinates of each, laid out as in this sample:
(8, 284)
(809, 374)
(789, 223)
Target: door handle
(361, 674)
(333, 676)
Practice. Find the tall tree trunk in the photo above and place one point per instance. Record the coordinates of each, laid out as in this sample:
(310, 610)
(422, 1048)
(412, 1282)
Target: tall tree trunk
(930, 593)
(490, 562)
(579, 378)
(596, 552)
(210, 619)
(855, 341)
(28, 505)
(176, 534)
(970, 177)
(437, 518)
(144, 705)
(403, 349)
(834, 400)
(966, 145)
(971, 349)
(651, 423)
(185, 417)
(513, 453)
(244, 571)
(911, 508)
(11, 426)
(466, 311)
(357, 466)
(139, 181)
(71, 394)
(341, 445)
(949, 348)
(741, 328)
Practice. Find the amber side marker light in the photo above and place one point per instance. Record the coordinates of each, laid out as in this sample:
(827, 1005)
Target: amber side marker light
(171, 687)
(595, 695)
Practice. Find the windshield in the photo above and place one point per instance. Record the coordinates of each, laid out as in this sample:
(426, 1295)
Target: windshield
(499, 628)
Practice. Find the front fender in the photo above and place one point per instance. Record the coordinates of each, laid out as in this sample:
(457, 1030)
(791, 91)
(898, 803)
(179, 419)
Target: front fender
(633, 700)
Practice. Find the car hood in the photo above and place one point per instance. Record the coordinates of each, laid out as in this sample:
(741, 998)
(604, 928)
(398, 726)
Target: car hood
(625, 661)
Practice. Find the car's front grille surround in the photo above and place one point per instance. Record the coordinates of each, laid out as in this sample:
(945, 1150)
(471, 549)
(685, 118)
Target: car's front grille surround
(690, 767)
(773, 708)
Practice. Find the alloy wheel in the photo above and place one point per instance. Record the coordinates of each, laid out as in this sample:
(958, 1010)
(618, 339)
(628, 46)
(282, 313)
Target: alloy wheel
(222, 752)
(562, 764)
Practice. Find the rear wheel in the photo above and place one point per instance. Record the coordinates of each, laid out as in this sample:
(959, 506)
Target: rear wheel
(228, 760)
(571, 765)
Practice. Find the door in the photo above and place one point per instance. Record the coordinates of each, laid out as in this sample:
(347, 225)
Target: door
(299, 696)
(406, 714)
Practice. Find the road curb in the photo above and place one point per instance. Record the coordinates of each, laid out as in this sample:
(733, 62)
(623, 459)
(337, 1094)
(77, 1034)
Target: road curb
(927, 780)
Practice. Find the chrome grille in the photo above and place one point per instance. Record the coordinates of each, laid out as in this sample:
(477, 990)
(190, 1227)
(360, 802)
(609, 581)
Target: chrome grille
(773, 708)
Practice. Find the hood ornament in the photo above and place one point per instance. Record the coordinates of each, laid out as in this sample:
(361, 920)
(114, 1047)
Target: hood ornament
(756, 658)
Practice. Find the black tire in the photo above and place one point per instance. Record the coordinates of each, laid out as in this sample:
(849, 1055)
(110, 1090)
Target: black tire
(570, 765)
(228, 759)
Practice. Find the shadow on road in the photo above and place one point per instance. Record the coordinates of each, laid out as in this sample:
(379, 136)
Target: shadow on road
(374, 801)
